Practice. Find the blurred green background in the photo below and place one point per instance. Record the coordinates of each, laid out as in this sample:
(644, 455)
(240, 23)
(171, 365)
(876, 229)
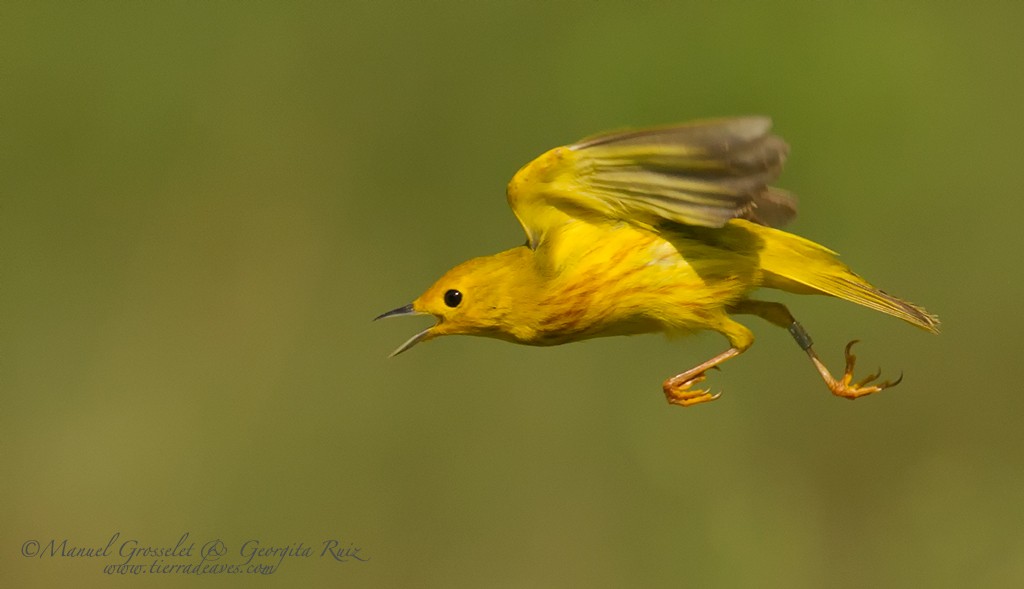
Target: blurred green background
(204, 206)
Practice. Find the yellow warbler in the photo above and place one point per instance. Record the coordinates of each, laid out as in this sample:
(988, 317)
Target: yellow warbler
(666, 229)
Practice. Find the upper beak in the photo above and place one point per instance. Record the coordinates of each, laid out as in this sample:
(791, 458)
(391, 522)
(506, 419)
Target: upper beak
(406, 310)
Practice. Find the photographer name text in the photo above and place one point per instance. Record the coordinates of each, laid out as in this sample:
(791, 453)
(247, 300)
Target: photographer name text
(130, 556)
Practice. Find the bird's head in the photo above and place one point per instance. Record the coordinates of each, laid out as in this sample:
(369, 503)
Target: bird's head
(473, 298)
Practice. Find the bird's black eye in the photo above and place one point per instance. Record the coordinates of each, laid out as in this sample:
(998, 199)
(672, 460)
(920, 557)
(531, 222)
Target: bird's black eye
(452, 298)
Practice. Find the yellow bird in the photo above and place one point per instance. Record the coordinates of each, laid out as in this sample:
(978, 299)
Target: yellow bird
(667, 229)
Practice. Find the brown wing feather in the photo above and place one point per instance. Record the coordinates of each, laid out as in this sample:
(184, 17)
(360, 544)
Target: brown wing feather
(702, 173)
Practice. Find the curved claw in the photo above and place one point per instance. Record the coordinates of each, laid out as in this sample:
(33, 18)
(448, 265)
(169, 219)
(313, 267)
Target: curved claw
(892, 383)
(869, 378)
(844, 387)
(851, 359)
(678, 389)
(680, 393)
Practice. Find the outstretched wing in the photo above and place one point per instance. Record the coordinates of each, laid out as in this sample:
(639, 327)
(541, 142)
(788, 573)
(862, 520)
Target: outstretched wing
(701, 173)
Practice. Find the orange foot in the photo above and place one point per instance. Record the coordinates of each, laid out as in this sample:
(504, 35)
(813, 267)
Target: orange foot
(678, 392)
(843, 388)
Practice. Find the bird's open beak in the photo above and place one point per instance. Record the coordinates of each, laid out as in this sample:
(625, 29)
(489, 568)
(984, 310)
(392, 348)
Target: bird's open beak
(412, 341)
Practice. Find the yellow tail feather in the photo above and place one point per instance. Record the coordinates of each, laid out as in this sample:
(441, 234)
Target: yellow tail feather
(792, 263)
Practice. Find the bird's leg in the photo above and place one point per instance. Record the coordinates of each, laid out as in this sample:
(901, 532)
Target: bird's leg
(843, 387)
(678, 388)
(778, 314)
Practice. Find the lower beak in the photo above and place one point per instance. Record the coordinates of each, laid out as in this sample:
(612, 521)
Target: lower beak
(412, 341)
(406, 310)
